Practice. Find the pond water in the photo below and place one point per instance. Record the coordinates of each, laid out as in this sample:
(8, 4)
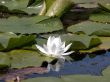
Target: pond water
(92, 66)
(88, 66)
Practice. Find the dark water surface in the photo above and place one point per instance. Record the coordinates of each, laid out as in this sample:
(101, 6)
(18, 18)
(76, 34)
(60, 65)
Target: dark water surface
(92, 66)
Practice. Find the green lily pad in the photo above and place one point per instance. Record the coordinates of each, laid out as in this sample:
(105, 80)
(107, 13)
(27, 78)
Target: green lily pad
(44, 79)
(25, 58)
(105, 43)
(14, 4)
(22, 6)
(90, 28)
(105, 6)
(100, 17)
(4, 60)
(90, 1)
(37, 24)
(79, 42)
(10, 41)
(90, 50)
(88, 5)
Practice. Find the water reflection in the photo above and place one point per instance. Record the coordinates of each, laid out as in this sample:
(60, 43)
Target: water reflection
(92, 66)
(87, 65)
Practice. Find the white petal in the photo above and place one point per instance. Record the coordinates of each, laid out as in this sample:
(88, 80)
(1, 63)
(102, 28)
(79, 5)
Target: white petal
(45, 47)
(41, 49)
(59, 52)
(63, 45)
(57, 41)
(49, 41)
(68, 53)
(67, 47)
(53, 49)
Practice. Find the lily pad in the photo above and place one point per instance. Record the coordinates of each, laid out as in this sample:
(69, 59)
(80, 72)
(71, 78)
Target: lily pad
(101, 17)
(4, 60)
(39, 24)
(25, 58)
(88, 5)
(90, 1)
(10, 41)
(44, 79)
(105, 6)
(22, 6)
(14, 4)
(81, 41)
(90, 28)
(78, 41)
(105, 43)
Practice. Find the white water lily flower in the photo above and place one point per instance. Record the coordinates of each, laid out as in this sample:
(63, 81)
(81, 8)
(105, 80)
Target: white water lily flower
(55, 48)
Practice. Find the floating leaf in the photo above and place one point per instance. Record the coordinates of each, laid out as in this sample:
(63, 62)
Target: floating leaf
(21, 5)
(4, 60)
(88, 5)
(78, 41)
(44, 79)
(81, 41)
(91, 1)
(105, 43)
(25, 58)
(101, 17)
(10, 41)
(91, 28)
(105, 6)
(37, 24)
(14, 4)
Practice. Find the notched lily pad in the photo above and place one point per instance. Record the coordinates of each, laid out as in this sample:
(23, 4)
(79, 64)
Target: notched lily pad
(78, 41)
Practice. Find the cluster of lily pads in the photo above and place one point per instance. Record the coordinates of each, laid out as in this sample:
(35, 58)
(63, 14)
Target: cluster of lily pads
(26, 25)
